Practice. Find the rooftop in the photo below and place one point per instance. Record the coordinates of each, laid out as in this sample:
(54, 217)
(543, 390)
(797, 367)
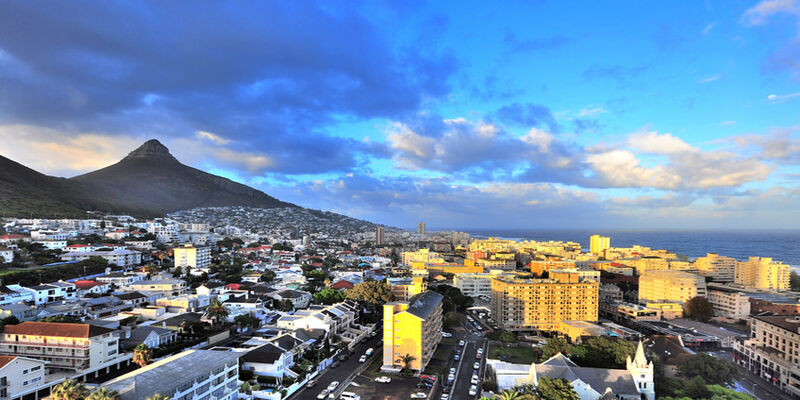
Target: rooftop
(56, 329)
(423, 304)
(790, 323)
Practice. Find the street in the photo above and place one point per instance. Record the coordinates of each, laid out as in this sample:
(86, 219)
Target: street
(464, 367)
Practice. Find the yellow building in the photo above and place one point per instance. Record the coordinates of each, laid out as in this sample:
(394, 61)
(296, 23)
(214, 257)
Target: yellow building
(421, 256)
(597, 243)
(762, 273)
(189, 256)
(541, 304)
(447, 268)
(493, 245)
(670, 286)
(405, 288)
(719, 268)
(411, 328)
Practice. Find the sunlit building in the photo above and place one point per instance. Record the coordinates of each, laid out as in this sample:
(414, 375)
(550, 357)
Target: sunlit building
(597, 243)
(411, 331)
(762, 273)
(405, 288)
(189, 256)
(669, 286)
(718, 268)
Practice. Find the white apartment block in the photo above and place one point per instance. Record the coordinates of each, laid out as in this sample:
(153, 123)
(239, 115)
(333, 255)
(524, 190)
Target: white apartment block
(20, 376)
(190, 375)
(728, 302)
(52, 244)
(762, 273)
(121, 257)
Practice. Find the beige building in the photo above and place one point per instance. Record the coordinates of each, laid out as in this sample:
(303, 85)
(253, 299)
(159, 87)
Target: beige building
(762, 273)
(541, 304)
(728, 302)
(719, 268)
(405, 288)
(76, 347)
(670, 286)
(421, 256)
(411, 328)
(772, 352)
(598, 244)
(189, 256)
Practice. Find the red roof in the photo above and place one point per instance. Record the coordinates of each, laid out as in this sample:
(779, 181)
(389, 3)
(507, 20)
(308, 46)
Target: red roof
(4, 360)
(56, 329)
(13, 236)
(233, 286)
(79, 245)
(84, 285)
(342, 284)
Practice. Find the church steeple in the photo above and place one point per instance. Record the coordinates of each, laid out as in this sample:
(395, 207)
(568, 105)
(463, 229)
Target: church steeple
(642, 372)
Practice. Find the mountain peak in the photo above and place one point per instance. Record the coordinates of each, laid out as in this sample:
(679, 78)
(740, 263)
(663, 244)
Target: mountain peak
(150, 148)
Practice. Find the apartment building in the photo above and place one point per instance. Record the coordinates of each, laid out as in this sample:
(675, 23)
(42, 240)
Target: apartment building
(610, 293)
(120, 278)
(190, 375)
(405, 288)
(772, 351)
(629, 312)
(122, 257)
(493, 245)
(411, 327)
(719, 268)
(474, 284)
(20, 376)
(670, 286)
(727, 301)
(495, 263)
(190, 256)
(76, 347)
(422, 256)
(598, 244)
(541, 304)
(762, 273)
(167, 286)
(538, 267)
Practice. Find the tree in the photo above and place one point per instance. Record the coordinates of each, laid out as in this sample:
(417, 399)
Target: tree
(718, 392)
(329, 296)
(104, 394)
(64, 319)
(603, 352)
(406, 360)
(245, 320)
(555, 389)
(217, 311)
(267, 276)
(9, 320)
(158, 396)
(696, 388)
(70, 389)
(698, 308)
(713, 370)
(794, 281)
(510, 394)
(452, 319)
(142, 355)
(373, 292)
(554, 346)
(457, 299)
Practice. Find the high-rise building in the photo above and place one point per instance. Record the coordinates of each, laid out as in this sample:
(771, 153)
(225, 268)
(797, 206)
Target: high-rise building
(406, 288)
(670, 286)
(189, 256)
(379, 235)
(541, 304)
(411, 331)
(719, 268)
(762, 273)
(599, 243)
(421, 228)
(771, 352)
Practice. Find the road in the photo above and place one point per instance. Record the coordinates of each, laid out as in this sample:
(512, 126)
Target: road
(343, 373)
(464, 368)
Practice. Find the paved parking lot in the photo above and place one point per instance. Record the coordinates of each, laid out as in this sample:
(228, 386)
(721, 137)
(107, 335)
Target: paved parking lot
(400, 388)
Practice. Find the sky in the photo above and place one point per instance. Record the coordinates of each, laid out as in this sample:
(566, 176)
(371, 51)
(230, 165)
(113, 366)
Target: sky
(529, 115)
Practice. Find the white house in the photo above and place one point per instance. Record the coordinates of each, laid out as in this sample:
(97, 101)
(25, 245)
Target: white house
(20, 376)
(52, 244)
(6, 254)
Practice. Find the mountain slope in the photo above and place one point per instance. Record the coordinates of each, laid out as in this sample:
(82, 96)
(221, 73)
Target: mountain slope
(147, 182)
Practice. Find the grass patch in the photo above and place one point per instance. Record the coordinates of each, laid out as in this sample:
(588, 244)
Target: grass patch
(517, 354)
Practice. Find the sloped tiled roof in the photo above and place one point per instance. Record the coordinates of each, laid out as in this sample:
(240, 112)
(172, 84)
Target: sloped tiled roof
(56, 329)
(423, 304)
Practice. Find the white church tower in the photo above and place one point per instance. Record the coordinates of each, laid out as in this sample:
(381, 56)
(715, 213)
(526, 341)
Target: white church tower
(642, 373)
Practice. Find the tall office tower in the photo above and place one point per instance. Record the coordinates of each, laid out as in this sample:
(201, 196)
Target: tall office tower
(599, 243)
(379, 233)
(421, 228)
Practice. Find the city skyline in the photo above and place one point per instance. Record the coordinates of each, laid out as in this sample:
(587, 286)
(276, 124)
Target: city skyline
(540, 115)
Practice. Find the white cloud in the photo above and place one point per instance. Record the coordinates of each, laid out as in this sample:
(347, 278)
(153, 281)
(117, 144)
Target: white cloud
(708, 28)
(655, 143)
(621, 168)
(216, 139)
(710, 79)
(760, 13)
(777, 98)
(591, 110)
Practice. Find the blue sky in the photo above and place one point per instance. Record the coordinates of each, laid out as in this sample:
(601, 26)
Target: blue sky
(462, 114)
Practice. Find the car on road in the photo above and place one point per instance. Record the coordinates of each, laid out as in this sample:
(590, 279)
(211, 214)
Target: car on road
(453, 370)
(473, 390)
(461, 342)
(363, 358)
(311, 383)
(383, 379)
(445, 396)
(478, 356)
(323, 394)
(477, 365)
(451, 378)
(349, 396)
(369, 351)
(447, 334)
(333, 385)
(474, 379)
(457, 357)
(419, 395)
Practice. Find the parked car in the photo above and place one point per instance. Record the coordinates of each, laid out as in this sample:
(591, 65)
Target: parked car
(363, 358)
(419, 395)
(474, 380)
(383, 379)
(311, 383)
(451, 378)
(369, 351)
(457, 357)
(445, 396)
(446, 389)
(323, 394)
(473, 390)
(333, 385)
(453, 370)
(477, 365)
(349, 396)
(461, 342)
(478, 356)
(447, 334)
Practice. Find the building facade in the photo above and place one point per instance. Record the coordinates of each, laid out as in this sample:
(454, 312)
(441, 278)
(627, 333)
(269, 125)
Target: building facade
(670, 286)
(719, 268)
(189, 256)
(728, 302)
(406, 288)
(773, 351)
(541, 304)
(762, 273)
(598, 244)
(411, 328)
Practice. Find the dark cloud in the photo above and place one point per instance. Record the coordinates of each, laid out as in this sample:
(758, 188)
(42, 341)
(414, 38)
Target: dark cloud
(268, 74)
(527, 115)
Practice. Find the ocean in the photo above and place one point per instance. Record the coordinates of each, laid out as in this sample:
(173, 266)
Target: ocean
(781, 245)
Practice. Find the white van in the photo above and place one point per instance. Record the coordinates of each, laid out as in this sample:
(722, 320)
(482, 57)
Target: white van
(349, 396)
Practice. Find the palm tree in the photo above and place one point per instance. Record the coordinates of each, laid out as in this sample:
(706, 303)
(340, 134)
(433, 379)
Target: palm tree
(69, 390)
(406, 360)
(158, 396)
(103, 394)
(217, 311)
(509, 395)
(142, 355)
